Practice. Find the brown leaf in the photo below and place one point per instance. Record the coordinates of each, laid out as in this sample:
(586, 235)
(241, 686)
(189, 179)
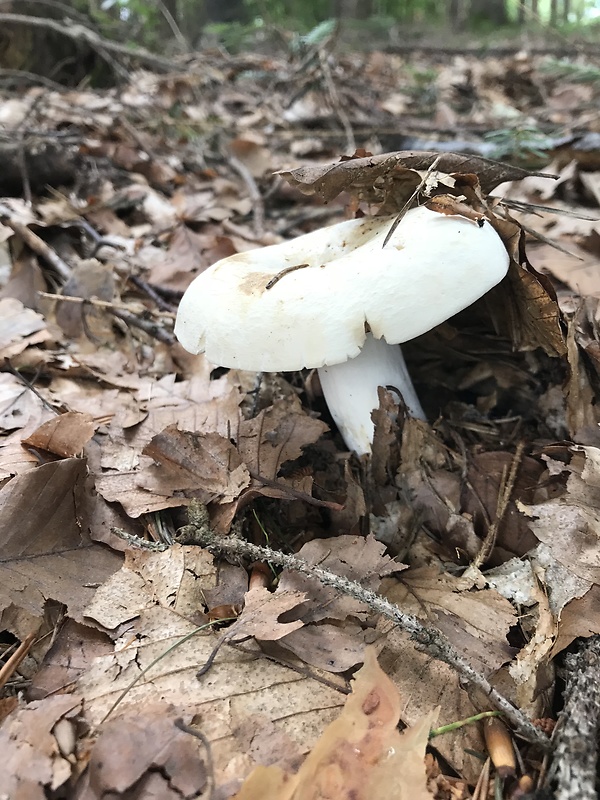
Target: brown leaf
(32, 761)
(46, 551)
(323, 645)
(72, 652)
(66, 435)
(375, 178)
(146, 753)
(477, 622)
(570, 525)
(191, 461)
(90, 279)
(19, 327)
(262, 609)
(579, 618)
(361, 754)
(159, 597)
(278, 434)
(523, 306)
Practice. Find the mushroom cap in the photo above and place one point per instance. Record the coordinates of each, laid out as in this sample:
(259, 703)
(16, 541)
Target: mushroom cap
(342, 283)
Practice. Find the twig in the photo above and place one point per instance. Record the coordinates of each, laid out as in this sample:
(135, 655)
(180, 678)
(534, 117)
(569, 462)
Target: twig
(406, 205)
(13, 662)
(335, 102)
(308, 498)
(145, 287)
(122, 312)
(106, 305)
(33, 241)
(576, 735)
(434, 642)
(283, 272)
(28, 384)
(150, 327)
(39, 80)
(258, 211)
(507, 486)
(175, 29)
(197, 733)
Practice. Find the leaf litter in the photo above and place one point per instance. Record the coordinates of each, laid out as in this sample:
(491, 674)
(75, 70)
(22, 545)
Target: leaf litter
(109, 431)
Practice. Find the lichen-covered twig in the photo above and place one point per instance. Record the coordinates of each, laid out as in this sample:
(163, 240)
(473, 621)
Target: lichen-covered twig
(430, 639)
(576, 736)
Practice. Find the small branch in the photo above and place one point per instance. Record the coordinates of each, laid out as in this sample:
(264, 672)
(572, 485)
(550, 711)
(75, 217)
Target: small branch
(145, 287)
(17, 657)
(308, 498)
(576, 735)
(507, 486)
(147, 325)
(33, 241)
(258, 211)
(175, 29)
(336, 103)
(123, 313)
(406, 205)
(38, 80)
(434, 642)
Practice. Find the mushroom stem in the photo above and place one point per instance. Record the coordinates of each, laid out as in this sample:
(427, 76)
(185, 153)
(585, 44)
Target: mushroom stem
(350, 390)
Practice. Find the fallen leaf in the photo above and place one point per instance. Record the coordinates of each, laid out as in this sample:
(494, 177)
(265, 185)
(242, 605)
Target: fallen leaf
(46, 549)
(147, 754)
(361, 754)
(65, 435)
(32, 761)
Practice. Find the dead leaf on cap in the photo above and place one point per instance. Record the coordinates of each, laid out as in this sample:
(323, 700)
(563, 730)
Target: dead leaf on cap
(65, 435)
(377, 179)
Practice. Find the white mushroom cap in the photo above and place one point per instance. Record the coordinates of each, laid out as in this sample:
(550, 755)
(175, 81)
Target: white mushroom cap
(433, 267)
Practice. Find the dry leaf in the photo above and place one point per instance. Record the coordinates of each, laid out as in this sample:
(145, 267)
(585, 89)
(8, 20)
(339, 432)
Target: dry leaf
(32, 760)
(147, 754)
(241, 689)
(46, 549)
(360, 755)
(66, 435)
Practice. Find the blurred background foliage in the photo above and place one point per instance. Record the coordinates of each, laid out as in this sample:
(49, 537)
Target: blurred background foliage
(240, 23)
(173, 27)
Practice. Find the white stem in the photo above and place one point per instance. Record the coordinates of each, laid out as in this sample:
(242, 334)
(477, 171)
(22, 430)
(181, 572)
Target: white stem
(350, 390)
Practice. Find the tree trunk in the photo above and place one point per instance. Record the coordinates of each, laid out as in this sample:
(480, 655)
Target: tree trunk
(458, 13)
(353, 9)
(493, 11)
(225, 11)
(553, 13)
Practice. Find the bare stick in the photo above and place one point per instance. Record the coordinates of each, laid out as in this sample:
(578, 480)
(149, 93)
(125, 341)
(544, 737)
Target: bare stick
(336, 103)
(33, 241)
(434, 643)
(507, 486)
(258, 211)
(13, 662)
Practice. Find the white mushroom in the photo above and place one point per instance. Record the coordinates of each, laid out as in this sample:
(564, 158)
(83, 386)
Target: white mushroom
(338, 300)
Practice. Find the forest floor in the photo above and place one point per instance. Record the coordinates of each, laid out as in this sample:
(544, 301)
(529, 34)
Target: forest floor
(481, 526)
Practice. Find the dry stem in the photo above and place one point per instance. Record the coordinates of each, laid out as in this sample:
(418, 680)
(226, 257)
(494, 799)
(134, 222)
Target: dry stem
(434, 643)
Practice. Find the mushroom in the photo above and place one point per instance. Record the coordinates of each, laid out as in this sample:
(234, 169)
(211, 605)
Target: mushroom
(336, 299)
